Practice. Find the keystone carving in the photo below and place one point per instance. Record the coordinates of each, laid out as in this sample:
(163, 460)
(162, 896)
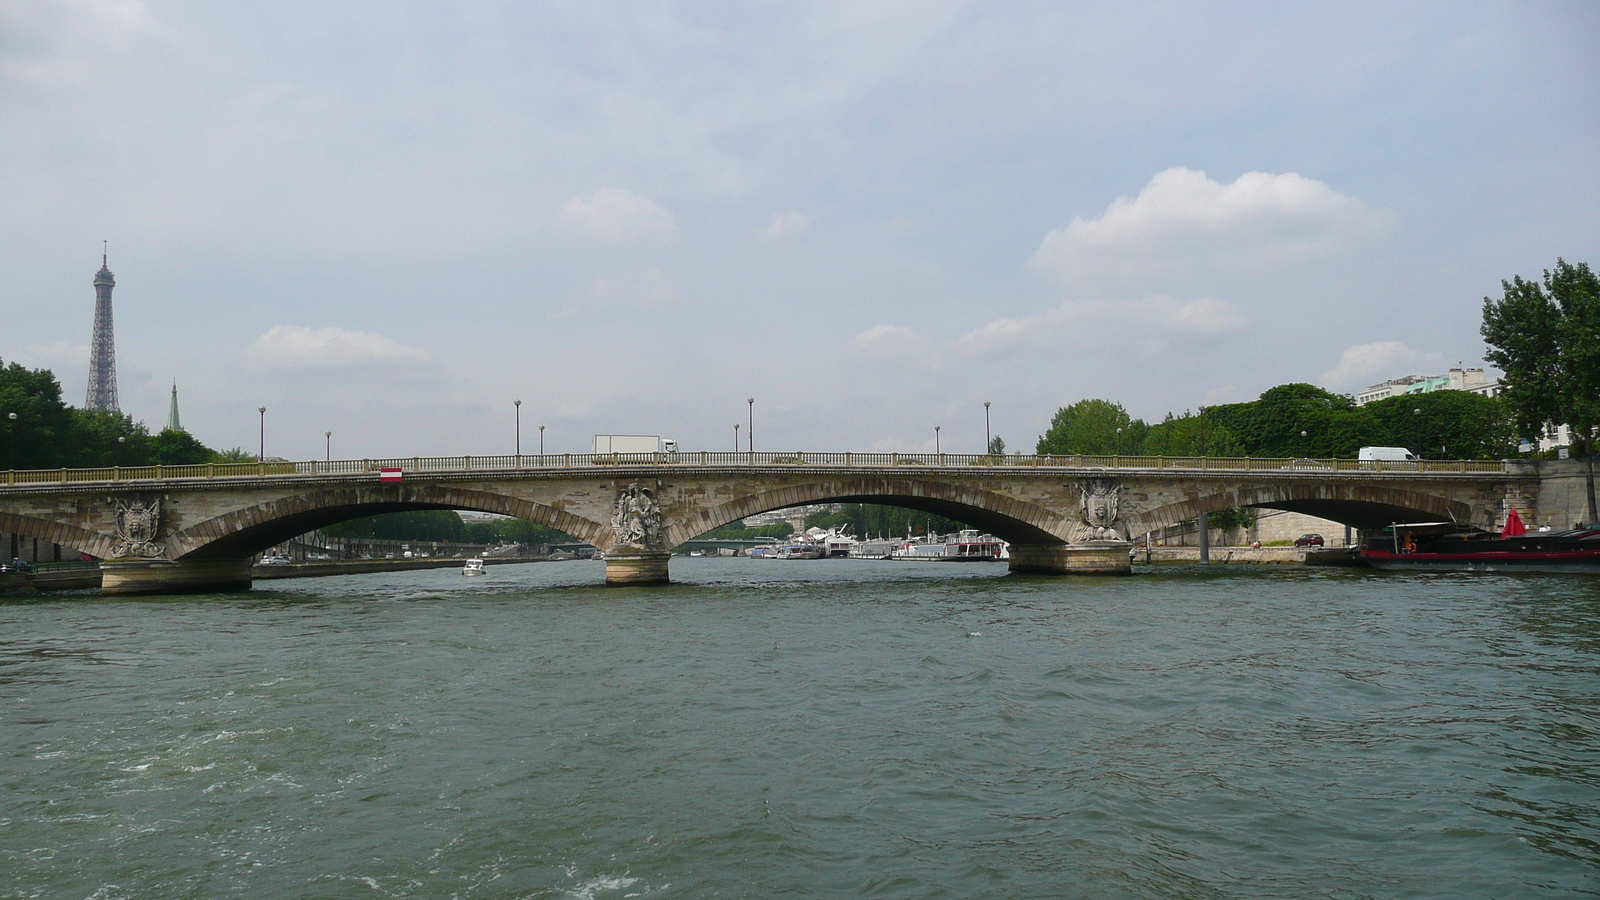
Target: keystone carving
(1100, 504)
(636, 521)
(138, 526)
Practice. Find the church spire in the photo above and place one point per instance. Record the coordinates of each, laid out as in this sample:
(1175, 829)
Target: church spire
(172, 410)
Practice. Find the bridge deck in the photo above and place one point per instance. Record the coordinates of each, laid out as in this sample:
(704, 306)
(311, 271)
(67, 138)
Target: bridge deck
(567, 463)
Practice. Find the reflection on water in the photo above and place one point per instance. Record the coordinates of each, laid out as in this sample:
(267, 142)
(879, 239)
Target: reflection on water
(809, 728)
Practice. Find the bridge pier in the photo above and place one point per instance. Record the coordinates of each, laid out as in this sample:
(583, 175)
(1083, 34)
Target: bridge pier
(636, 567)
(1087, 558)
(168, 576)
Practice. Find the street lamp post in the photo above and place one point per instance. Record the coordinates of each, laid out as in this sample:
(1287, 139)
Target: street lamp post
(518, 405)
(327, 446)
(736, 437)
(987, 440)
(1304, 450)
(1416, 430)
(12, 418)
(1119, 441)
(262, 456)
(541, 443)
(936, 440)
(750, 433)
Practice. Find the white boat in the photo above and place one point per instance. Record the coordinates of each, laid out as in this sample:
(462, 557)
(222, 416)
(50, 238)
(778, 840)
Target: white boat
(474, 566)
(802, 551)
(874, 548)
(968, 546)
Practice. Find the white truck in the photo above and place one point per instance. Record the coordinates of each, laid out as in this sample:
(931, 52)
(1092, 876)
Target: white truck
(1385, 454)
(633, 443)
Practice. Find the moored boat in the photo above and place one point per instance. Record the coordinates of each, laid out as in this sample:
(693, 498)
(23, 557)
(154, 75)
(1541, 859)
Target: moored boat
(1452, 547)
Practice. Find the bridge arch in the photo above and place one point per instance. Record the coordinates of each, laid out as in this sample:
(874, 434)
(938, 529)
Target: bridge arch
(80, 539)
(1359, 505)
(1008, 518)
(247, 531)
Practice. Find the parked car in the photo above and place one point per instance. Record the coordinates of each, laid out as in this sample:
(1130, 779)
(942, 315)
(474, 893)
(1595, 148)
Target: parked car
(1308, 540)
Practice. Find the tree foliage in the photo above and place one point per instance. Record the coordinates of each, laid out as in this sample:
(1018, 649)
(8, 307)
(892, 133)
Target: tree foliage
(49, 434)
(873, 519)
(1546, 339)
(517, 531)
(1090, 428)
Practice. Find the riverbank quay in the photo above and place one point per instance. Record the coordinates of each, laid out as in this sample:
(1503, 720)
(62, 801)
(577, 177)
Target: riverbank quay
(364, 566)
(1278, 556)
(88, 577)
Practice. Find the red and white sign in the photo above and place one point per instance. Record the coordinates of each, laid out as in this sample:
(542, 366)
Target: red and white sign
(388, 474)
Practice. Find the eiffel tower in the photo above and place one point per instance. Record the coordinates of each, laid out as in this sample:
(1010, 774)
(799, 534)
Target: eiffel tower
(103, 349)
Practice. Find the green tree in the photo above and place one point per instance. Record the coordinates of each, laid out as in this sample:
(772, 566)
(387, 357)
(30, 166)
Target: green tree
(1445, 425)
(412, 525)
(1089, 428)
(41, 432)
(997, 446)
(173, 447)
(738, 531)
(1545, 338)
(1271, 424)
(1189, 435)
(235, 455)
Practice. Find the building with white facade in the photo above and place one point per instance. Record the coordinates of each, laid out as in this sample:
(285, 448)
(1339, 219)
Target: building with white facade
(1457, 379)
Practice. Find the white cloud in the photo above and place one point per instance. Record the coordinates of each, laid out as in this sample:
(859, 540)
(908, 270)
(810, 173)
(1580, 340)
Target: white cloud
(1182, 220)
(786, 224)
(295, 346)
(646, 290)
(613, 214)
(1155, 318)
(1365, 364)
(894, 343)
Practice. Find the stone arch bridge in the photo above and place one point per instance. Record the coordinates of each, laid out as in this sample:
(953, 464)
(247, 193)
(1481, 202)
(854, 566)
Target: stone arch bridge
(177, 528)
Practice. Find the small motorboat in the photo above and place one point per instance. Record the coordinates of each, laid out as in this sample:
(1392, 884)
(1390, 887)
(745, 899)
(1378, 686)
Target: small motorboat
(474, 566)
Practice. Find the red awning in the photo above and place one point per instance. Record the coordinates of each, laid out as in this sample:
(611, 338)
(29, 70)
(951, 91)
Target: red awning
(1514, 525)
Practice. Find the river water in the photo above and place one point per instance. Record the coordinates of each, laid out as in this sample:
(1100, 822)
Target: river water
(808, 729)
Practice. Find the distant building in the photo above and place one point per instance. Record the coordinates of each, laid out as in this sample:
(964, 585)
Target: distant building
(1457, 379)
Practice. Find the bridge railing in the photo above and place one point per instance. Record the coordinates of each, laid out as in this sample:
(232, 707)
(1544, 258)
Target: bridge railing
(723, 459)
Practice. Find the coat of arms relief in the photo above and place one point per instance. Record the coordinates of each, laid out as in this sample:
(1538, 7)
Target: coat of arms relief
(1099, 503)
(138, 527)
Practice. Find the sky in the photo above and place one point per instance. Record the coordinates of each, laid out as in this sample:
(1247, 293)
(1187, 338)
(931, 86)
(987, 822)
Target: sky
(390, 221)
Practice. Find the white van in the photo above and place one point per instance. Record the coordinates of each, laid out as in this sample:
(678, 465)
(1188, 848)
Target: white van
(1385, 454)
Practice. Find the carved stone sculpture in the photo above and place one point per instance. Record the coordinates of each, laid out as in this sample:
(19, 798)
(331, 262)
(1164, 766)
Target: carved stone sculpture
(1100, 508)
(636, 521)
(138, 527)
